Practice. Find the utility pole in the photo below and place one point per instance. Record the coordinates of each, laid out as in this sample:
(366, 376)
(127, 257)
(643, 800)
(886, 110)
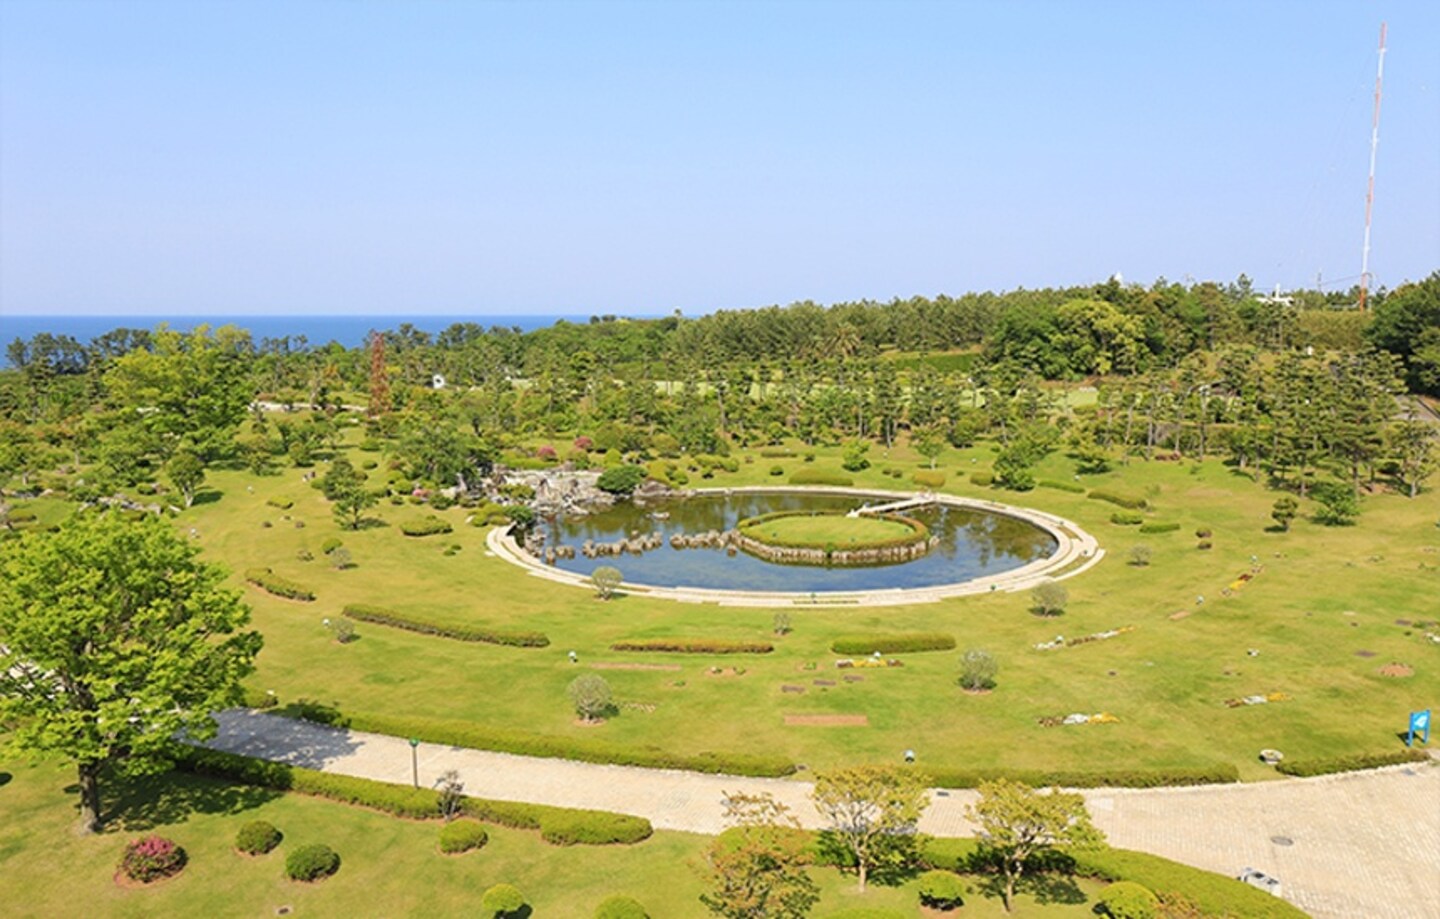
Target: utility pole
(1370, 188)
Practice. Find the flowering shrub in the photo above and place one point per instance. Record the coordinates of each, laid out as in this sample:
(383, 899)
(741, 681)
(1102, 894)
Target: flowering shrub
(584, 443)
(546, 452)
(151, 858)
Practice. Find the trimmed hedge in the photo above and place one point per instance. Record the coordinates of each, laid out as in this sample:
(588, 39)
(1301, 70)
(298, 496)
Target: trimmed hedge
(1133, 502)
(1073, 487)
(940, 889)
(1352, 763)
(821, 477)
(983, 479)
(928, 478)
(501, 900)
(1127, 518)
(1217, 774)
(425, 526)
(776, 452)
(1159, 526)
(694, 646)
(461, 836)
(560, 825)
(1128, 900)
(379, 615)
(272, 583)
(893, 643)
(283, 503)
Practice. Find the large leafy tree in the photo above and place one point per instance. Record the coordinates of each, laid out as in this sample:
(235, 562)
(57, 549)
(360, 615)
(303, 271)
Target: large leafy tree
(872, 812)
(1017, 822)
(114, 638)
(345, 485)
(756, 869)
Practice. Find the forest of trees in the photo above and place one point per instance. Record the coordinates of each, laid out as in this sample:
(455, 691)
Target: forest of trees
(1290, 388)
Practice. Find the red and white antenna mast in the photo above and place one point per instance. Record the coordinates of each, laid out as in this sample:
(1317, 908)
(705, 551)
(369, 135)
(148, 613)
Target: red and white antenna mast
(1370, 189)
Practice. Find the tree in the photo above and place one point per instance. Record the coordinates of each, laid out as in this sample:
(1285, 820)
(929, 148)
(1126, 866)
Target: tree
(590, 695)
(1412, 441)
(977, 669)
(606, 579)
(186, 472)
(1017, 822)
(1338, 505)
(1049, 598)
(929, 443)
(621, 480)
(1140, 556)
(114, 638)
(854, 459)
(872, 812)
(757, 868)
(344, 485)
(1284, 511)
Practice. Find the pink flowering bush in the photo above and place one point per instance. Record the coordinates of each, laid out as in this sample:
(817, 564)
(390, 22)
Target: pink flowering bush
(546, 452)
(584, 443)
(151, 858)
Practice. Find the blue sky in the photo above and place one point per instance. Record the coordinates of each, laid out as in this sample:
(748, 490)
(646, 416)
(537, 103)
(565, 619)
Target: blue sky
(426, 157)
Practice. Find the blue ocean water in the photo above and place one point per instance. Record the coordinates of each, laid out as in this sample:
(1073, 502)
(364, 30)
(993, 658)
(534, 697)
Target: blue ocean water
(350, 331)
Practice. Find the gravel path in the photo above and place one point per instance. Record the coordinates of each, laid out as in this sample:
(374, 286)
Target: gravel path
(1356, 846)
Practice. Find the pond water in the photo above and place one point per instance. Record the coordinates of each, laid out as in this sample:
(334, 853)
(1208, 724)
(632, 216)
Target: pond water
(972, 544)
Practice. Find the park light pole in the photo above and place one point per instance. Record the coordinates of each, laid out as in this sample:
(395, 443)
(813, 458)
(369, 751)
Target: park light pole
(415, 761)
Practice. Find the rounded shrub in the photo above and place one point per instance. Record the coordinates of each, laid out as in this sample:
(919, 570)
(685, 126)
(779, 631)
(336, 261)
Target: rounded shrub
(621, 907)
(257, 837)
(151, 858)
(500, 901)
(1128, 900)
(312, 863)
(461, 836)
(942, 890)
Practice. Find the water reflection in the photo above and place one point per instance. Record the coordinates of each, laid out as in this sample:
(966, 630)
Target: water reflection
(972, 544)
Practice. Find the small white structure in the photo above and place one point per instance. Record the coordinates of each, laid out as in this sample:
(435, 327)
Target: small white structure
(437, 382)
(1260, 879)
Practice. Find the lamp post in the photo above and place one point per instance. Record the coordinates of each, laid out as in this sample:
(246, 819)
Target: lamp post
(415, 761)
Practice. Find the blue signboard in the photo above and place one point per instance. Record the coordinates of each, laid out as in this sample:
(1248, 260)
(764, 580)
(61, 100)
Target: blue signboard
(1419, 724)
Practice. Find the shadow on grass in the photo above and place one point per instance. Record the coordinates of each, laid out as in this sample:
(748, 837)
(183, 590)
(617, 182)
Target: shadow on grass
(146, 802)
(207, 496)
(5, 778)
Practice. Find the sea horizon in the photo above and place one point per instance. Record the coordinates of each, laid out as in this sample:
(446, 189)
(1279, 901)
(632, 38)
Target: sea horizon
(318, 329)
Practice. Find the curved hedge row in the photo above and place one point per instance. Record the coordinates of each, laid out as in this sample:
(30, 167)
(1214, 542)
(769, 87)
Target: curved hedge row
(1159, 526)
(379, 615)
(272, 583)
(893, 643)
(1216, 774)
(820, 477)
(1352, 763)
(1133, 502)
(694, 646)
(589, 750)
(557, 825)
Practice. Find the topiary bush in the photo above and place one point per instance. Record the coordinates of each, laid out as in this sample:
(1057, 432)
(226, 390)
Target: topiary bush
(942, 890)
(461, 836)
(1127, 518)
(1133, 502)
(257, 837)
(620, 907)
(500, 901)
(1128, 900)
(621, 480)
(425, 526)
(562, 827)
(151, 858)
(312, 863)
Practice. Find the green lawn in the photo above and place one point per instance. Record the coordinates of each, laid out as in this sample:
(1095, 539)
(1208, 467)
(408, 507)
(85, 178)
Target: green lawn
(388, 867)
(821, 530)
(1317, 623)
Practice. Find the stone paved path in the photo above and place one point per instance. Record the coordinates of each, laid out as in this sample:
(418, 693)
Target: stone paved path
(1364, 845)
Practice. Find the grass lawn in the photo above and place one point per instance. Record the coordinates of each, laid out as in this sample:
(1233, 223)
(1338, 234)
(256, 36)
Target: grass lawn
(388, 866)
(1328, 608)
(821, 530)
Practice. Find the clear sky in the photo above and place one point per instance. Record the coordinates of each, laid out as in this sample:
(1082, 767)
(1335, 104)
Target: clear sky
(212, 157)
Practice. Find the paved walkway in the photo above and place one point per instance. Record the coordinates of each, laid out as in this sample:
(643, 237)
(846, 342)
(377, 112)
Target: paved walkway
(1361, 846)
